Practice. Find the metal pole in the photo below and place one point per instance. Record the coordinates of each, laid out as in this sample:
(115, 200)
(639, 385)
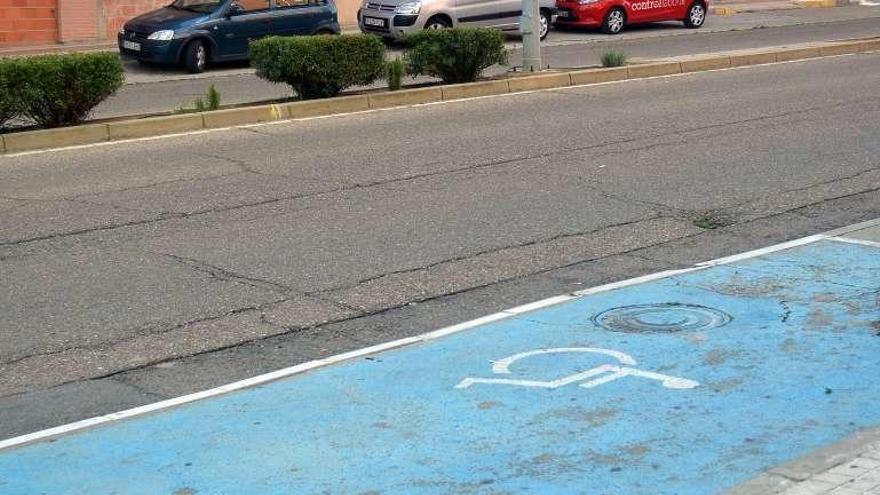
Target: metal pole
(531, 33)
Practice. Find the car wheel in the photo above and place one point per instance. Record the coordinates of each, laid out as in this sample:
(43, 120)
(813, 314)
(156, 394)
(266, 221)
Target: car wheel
(544, 24)
(195, 57)
(696, 15)
(614, 21)
(437, 23)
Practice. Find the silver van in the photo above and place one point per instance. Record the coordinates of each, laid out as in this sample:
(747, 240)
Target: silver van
(394, 18)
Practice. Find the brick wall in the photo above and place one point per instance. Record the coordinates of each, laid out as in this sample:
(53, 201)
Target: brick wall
(28, 22)
(118, 12)
(77, 20)
(42, 22)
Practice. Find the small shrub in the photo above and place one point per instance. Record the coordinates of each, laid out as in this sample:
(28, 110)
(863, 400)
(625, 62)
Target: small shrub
(613, 58)
(58, 90)
(319, 66)
(454, 55)
(395, 72)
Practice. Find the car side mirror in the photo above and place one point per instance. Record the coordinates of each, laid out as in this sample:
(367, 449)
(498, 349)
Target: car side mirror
(234, 10)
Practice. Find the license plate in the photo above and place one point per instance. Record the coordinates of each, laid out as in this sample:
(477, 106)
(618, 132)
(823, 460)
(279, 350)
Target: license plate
(372, 21)
(131, 45)
(562, 14)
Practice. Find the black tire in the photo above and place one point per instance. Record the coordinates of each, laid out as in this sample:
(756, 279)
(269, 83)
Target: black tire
(195, 56)
(544, 23)
(696, 15)
(614, 21)
(438, 22)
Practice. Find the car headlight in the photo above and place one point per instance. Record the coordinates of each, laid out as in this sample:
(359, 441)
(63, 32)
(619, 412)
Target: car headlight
(163, 35)
(122, 30)
(409, 8)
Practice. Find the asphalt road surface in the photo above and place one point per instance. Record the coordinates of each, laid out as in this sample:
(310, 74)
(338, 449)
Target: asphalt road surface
(153, 89)
(138, 271)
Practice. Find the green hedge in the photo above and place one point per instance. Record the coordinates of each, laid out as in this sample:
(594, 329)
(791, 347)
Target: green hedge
(8, 99)
(319, 66)
(454, 55)
(58, 90)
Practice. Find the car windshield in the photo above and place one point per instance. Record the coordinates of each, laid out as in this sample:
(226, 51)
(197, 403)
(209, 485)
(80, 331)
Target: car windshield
(197, 5)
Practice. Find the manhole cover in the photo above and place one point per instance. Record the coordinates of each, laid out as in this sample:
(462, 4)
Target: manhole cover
(658, 318)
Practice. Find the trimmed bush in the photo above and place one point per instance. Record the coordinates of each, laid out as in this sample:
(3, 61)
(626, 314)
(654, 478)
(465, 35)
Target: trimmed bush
(454, 55)
(59, 90)
(319, 66)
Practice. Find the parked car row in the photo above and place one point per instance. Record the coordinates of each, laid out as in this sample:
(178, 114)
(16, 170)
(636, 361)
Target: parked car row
(194, 33)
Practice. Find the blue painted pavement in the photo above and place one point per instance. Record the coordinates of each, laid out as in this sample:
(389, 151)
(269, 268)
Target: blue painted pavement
(685, 385)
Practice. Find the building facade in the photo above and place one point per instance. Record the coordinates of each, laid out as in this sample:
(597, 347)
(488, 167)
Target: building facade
(44, 22)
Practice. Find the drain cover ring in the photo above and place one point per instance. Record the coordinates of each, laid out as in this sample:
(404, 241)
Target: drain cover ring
(661, 318)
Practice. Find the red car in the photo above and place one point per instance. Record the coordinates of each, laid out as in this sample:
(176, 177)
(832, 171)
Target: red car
(613, 15)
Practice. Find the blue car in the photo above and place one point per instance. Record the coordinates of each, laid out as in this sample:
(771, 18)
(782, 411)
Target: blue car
(194, 33)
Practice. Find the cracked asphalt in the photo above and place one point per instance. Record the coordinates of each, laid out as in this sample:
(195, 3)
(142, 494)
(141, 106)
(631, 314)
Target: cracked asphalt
(134, 272)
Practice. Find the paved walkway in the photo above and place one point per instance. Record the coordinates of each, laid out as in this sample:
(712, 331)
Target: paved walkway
(683, 382)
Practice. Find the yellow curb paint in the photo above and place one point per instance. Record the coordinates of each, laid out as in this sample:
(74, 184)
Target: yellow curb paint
(756, 58)
(539, 81)
(405, 97)
(598, 75)
(154, 126)
(653, 70)
(869, 46)
(723, 11)
(472, 90)
(55, 138)
(278, 113)
(839, 49)
(816, 3)
(239, 116)
(797, 54)
(329, 106)
(704, 64)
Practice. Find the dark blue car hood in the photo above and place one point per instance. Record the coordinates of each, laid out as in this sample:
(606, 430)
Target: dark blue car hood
(165, 18)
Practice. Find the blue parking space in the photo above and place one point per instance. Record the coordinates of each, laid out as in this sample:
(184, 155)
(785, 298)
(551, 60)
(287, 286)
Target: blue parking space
(685, 385)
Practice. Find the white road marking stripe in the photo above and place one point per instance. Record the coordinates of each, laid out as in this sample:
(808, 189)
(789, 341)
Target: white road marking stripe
(861, 242)
(765, 250)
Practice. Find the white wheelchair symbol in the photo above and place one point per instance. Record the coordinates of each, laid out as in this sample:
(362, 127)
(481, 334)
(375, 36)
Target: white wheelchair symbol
(589, 379)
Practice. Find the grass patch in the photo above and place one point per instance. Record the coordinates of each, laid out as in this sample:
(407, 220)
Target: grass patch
(394, 73)
(613, 58)
(712, 221)
(210, 101)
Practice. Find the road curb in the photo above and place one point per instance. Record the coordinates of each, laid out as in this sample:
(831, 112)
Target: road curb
(786, 476)
(175, 124)
(739, 8)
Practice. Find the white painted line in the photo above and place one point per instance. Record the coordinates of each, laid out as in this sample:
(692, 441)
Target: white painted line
(374, 110)
(634, 281)
(302, 368)
(552, 301)
(861, 242)
(766, 250)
